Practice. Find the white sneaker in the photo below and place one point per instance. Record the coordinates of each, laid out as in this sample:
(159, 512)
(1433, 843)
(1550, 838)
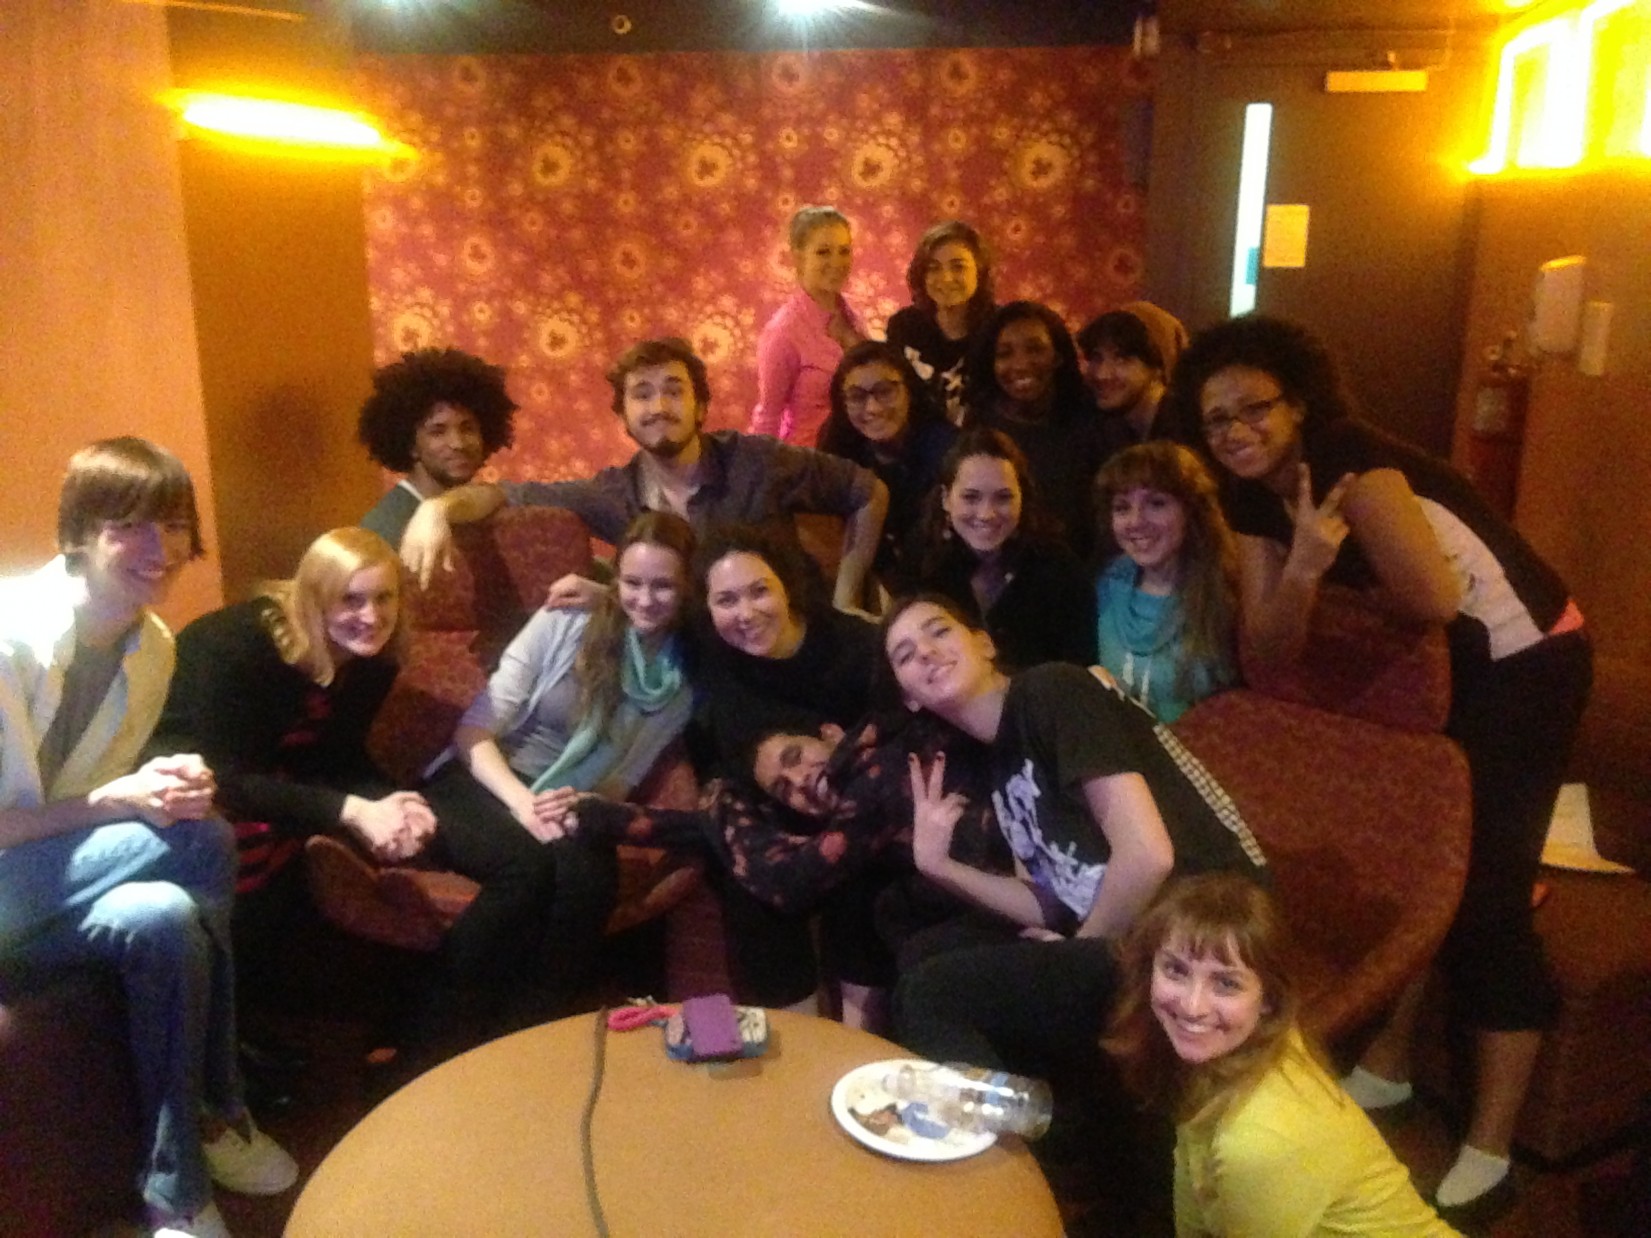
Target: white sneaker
(251, 1164)
(207, 1223)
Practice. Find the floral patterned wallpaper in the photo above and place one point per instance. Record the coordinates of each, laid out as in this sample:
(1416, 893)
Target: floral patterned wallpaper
(563, 207)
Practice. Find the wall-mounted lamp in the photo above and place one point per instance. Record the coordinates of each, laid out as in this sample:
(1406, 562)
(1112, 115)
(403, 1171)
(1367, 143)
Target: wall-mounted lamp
(297, 126)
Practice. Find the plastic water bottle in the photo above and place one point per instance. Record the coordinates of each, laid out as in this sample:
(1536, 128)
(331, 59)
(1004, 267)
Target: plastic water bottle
(973, 1099)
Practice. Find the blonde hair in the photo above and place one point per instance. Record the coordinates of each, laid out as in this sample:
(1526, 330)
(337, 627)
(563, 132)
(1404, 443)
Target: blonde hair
(809, 219)
(298, 623)
(1209, 553)
(1229, 916)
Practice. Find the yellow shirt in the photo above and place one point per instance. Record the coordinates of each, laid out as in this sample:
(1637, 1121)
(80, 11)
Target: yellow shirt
(1296, 1158)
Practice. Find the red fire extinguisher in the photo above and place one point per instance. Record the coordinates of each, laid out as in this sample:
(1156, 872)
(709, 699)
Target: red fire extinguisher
(1496, 431)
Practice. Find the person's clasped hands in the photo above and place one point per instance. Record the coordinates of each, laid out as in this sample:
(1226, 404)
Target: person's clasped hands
(162, 791)
(395, 827)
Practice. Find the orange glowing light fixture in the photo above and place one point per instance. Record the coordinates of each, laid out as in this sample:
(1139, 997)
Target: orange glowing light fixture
(1573, 86)
(1616, 38)
(1524, 85)
(301, 125)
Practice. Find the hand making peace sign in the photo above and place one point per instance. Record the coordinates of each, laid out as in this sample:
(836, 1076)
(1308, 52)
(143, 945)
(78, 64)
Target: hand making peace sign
(1320, 528)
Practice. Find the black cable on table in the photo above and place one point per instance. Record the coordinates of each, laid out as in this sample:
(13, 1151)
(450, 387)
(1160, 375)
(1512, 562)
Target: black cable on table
(587, 1152)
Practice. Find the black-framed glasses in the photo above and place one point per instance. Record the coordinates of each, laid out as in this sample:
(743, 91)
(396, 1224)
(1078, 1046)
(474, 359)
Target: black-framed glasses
(1251, 414)
(884, 393)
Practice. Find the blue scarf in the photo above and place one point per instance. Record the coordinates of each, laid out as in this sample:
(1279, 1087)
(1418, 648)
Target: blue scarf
(647, 683)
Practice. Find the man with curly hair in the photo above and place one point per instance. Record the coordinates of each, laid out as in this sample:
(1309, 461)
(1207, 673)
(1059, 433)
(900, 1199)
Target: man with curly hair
(436, 415)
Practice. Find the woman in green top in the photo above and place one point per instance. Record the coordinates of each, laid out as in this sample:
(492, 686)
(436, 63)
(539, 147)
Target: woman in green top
(1166, 604)
(1206, 1027)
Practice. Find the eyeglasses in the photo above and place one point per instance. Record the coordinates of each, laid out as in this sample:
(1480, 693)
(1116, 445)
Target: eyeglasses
(884, 393)
(1251, 414)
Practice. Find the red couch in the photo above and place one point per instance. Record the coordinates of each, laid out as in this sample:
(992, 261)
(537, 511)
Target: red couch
(461, 623)
(69, 1152)
(1361, 804)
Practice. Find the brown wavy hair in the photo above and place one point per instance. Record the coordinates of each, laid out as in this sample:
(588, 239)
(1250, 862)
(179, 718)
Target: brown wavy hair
(597, 666)
(1231, 917)
(1209, 555)
(917, 270)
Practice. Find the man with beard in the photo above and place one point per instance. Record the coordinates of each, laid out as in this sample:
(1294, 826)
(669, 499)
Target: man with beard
(1128, 354)
(661, 392)
(436, 415)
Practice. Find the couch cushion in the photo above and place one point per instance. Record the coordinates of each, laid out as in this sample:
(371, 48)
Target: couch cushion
(440, 675)
(69, 1147)
(1365, 828)
(1364, 664)
(502, 568)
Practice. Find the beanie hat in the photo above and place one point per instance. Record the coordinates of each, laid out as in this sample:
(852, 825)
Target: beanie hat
(1164, 329)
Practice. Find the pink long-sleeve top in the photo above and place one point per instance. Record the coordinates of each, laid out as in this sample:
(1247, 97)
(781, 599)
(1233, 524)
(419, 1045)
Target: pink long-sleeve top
(796, 358)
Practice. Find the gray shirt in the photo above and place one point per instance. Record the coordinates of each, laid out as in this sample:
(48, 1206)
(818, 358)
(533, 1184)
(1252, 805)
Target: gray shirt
(749, 478)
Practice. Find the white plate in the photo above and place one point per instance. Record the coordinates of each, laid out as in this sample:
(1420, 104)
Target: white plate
(861, 1092)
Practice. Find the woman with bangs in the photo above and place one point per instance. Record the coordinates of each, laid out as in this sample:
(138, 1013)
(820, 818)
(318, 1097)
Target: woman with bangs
(1167, 602)
(1206, 1028)
(988, 544)
(885, 419)
(950, 278)
(581, 701)
(1023, 378)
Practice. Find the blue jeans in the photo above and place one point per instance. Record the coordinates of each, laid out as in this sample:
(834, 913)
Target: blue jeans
(153, 904)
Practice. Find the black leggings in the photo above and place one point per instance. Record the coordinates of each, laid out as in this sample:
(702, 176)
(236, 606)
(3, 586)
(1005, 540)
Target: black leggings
(971, 990)
(1516, 719)
(531, 935)
(771, 953)
(985, 996)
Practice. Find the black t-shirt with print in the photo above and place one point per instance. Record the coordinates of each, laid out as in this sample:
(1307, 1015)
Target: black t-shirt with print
(938, 359)
(1062, 727)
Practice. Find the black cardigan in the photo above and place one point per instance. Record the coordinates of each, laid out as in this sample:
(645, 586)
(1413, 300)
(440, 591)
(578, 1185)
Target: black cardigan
(1046, 612)
(233, 700)
(742, 698)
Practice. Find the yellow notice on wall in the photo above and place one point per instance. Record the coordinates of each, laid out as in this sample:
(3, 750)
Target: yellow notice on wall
(1284, 241)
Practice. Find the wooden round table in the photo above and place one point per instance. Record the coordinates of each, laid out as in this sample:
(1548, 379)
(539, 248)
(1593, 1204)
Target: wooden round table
(488, 1144)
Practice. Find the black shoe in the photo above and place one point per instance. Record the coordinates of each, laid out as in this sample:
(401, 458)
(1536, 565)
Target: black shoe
(270, 1055)
(266, 1093)
(1478, 1214)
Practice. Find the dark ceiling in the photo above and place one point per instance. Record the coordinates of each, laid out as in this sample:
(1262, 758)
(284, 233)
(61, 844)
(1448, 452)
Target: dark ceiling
(714, 25)
(718, 25)
(1309, 15)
